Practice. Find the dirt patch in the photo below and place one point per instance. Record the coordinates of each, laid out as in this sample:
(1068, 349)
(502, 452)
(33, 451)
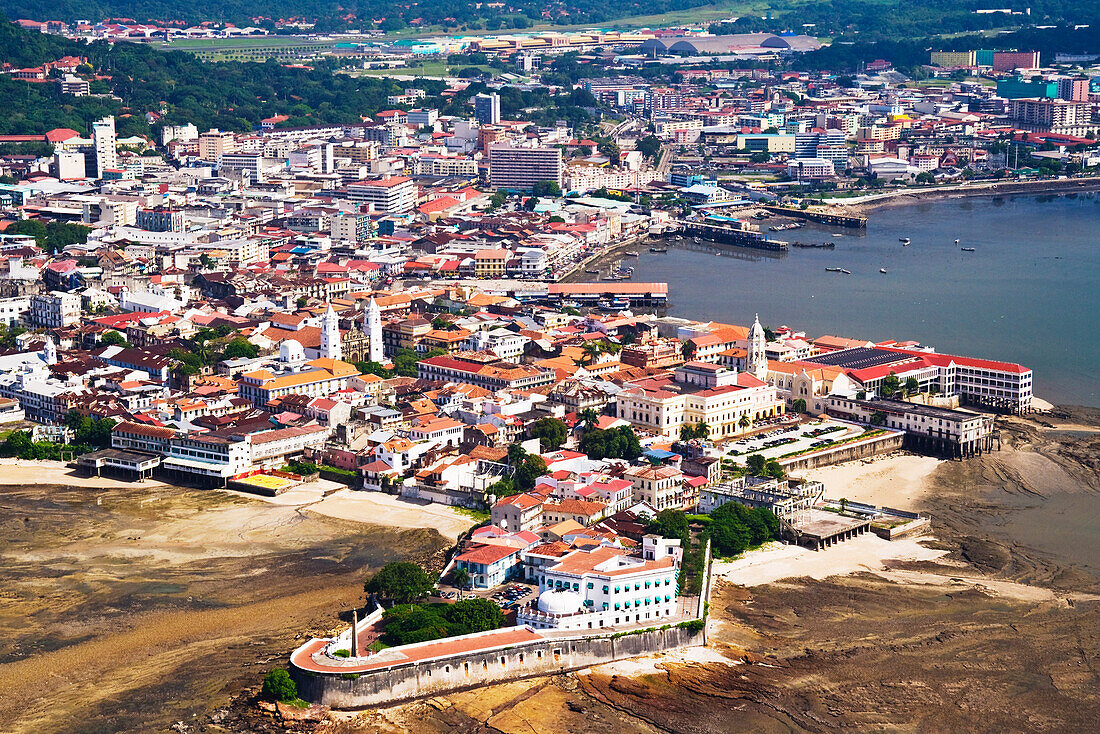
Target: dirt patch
(128, 609)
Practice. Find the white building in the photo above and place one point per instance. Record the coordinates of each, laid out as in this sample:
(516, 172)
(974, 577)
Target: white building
(606, 587)
(389, 195)
(104, 141)
(55, 310)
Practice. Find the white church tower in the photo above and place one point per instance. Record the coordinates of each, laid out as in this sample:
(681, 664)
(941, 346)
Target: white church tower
(758, 358)
(49, 352)
(372, 327)
(330, 336)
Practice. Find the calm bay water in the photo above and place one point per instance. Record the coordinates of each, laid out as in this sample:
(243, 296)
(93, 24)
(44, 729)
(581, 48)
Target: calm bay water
(1028, 294)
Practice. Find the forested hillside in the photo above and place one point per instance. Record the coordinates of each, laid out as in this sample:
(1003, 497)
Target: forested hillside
(230, 96)
(332, 14)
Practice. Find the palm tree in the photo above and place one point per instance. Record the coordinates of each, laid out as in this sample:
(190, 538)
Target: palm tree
(702, 430)
(592, 351)
(688, 350)
(745, 422)
(589, 416)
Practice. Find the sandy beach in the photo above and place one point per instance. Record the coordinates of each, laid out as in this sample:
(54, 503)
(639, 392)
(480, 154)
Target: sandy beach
(326, 498)
(29, 473)
(898, 480)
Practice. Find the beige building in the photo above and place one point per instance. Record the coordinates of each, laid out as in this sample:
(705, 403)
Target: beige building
(728, 402)
(661, 487)
(519, 169)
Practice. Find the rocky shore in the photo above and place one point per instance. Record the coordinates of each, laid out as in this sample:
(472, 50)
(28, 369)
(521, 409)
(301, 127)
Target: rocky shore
(989, 629)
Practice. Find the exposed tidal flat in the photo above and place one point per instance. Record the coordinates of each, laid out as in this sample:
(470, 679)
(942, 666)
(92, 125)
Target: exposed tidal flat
(129, 607)
(981, 628)
(1027, 293)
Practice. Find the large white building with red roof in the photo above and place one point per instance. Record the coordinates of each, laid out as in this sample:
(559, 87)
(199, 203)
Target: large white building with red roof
(695, 392)
(606, 586)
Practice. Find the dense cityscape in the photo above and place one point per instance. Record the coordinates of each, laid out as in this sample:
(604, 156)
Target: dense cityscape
(390, 283)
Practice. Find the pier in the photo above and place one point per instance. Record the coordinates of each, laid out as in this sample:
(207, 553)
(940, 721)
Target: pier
(732, 236)
(853, 221)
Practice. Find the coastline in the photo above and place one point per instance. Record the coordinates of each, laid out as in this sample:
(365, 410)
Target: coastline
(902, 197)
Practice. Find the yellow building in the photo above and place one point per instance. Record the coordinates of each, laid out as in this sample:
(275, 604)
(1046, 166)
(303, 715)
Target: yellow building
(729, 402)
(317, 378)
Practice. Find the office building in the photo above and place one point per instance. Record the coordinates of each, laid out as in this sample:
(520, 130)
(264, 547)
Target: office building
(104, 143)
(487, 109)
(519, 169)
(388, 195)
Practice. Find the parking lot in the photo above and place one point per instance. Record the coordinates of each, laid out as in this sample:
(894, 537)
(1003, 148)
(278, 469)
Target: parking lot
(507, 596)
(775, 443)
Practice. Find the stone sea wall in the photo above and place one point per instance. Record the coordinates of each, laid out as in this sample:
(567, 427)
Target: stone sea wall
(403, 682)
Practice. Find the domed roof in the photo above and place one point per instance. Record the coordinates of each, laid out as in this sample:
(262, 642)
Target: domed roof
(560, 601)
(291, 351)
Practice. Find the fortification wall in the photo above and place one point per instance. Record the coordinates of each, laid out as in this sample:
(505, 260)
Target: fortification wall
(848, 452)
(408, 681)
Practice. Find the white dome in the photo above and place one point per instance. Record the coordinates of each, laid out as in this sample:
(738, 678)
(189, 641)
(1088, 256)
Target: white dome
(291, 351)
(560, 601)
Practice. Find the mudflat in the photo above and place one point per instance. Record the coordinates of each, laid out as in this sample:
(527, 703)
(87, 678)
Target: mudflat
(992, 625)
(130, 607)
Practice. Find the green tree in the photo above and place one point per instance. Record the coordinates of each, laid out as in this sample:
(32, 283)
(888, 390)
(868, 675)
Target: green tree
(114, 339)
(878, 418)
(461, 578)
(240, 348)
(402, 581)
(799, 406)
(890, 385)
(669, 524)
(912, 386)
(756, 464)
(546, 187)
(279, 686)
(372, 368)
(744, 422)
(551, 433)
(473, 615)
(774, 470)
(649, 146)
(688, 350)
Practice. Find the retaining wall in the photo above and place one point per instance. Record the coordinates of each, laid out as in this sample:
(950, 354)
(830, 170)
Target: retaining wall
(403, 682)
(848, 452)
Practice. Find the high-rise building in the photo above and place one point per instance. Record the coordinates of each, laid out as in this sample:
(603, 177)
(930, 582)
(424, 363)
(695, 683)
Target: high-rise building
(214, 143)
(104, 141)
(519, 169)
(487, 109)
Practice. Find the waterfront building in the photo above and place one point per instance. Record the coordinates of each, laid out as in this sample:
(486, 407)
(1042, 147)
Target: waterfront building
(606, 587)
(786, 497)
(954, 433)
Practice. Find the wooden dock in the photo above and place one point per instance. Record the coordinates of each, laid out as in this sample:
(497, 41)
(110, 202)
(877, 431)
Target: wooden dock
(838, 220)
(732, 236)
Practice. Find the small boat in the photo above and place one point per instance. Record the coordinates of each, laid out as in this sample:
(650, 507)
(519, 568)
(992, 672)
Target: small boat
(658, 249)
(903, 239)
(592, 271)
(882, 270)
(837, 234)
(630, 253)
(833, 270)
(846, 272)
(956, 242)
(968, 249)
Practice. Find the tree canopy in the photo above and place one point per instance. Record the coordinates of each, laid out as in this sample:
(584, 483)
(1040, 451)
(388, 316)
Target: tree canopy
(401, 581)
(612, 443)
